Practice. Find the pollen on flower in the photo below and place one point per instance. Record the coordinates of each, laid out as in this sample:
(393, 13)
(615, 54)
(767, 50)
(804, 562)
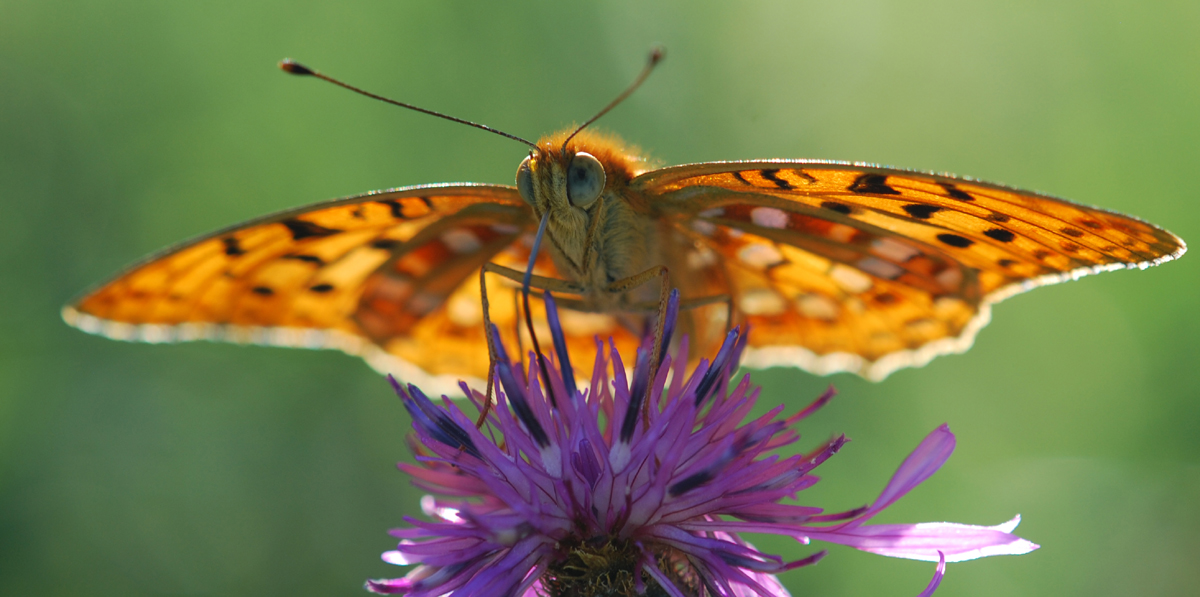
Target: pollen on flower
(637, 486)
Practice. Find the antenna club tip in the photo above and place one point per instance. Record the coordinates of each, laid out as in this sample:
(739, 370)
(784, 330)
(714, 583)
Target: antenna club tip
(657, 53)
(295, 68)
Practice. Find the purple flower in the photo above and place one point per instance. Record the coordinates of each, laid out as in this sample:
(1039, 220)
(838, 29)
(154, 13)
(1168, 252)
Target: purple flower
(635, 486)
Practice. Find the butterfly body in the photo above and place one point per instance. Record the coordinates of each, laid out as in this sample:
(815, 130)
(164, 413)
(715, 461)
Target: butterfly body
(836, 266)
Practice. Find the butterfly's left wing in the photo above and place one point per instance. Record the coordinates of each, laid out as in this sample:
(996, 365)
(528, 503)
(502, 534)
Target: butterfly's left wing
(854, 267)
(391, 276)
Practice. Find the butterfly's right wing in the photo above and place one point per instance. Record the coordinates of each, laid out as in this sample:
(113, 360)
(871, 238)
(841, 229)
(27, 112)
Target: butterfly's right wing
(391, 276)
(855, 267)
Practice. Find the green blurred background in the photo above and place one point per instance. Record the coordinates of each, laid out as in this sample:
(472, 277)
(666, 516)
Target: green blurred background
(208, 469)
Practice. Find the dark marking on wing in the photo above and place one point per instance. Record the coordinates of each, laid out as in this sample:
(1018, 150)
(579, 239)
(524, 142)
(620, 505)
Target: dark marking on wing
(321, 288)
(955, 192)
(1000, 218)
(384, 243)
(232, 248)
(397, 209)
(1069, 247)
(1000, 234)
(921, 211)
(301, 229)
(741, 179)
(771, 175)
(1006, 262)
(841, 208)
(1071, 232)
(872, 184)
(1094, 225)
(262, 291)
(805, 175)
(955, 240)
(306, 258)
(1041, 254)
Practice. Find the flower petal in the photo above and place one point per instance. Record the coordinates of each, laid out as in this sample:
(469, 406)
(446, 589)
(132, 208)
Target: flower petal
(924, 461)
(929, 540)
(937, 577)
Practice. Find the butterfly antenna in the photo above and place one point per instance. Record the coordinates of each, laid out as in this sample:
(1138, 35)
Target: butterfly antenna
(295, 68)
(656, 56)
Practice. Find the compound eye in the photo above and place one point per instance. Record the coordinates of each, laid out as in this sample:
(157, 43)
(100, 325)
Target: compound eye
(525, 181)
(585, 179)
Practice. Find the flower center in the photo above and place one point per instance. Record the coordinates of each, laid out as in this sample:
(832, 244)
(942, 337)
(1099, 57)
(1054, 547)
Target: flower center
(605, 569)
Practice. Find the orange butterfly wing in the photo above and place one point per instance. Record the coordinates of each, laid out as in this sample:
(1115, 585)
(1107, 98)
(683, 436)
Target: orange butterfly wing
(852, 267)
(839, 267)
(381, 275)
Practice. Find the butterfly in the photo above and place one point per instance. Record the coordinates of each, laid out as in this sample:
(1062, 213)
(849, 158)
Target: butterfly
(835, 266)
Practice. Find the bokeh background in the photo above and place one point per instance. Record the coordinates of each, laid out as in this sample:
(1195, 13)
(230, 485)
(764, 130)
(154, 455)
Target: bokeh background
(210, 469)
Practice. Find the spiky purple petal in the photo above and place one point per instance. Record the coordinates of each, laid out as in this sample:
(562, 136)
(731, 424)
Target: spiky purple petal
(670, 480)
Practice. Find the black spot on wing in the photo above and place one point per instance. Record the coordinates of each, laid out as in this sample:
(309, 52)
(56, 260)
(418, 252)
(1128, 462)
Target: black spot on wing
(921, 211)
(773, 176)
(741, 179)
(872, 184)
(1071, 232)
(841, 208)
(1000, 234)
(232, 248)
(302, 229)
(306, 258)
(955, 240)
(262, 291)
(384, 243)
(321, 287)
(1006, 262)
(955, 192)
(395, 207)
(805, 175)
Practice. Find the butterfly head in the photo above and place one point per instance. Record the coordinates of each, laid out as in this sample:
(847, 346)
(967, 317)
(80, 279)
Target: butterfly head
(574, 182)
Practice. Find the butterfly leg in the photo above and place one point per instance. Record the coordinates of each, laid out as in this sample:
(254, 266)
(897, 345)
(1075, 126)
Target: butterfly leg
(636, 280)
(716, 299)
(487, 334)
(539, 282)
(684, 304)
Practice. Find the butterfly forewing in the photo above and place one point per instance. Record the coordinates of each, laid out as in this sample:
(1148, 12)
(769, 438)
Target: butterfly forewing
(843, 267)
(298, 277)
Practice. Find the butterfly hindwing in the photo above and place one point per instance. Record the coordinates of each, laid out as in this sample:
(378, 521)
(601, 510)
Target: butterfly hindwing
(865, 269)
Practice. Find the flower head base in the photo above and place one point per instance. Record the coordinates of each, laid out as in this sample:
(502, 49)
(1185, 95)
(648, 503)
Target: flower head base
(638, 487)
